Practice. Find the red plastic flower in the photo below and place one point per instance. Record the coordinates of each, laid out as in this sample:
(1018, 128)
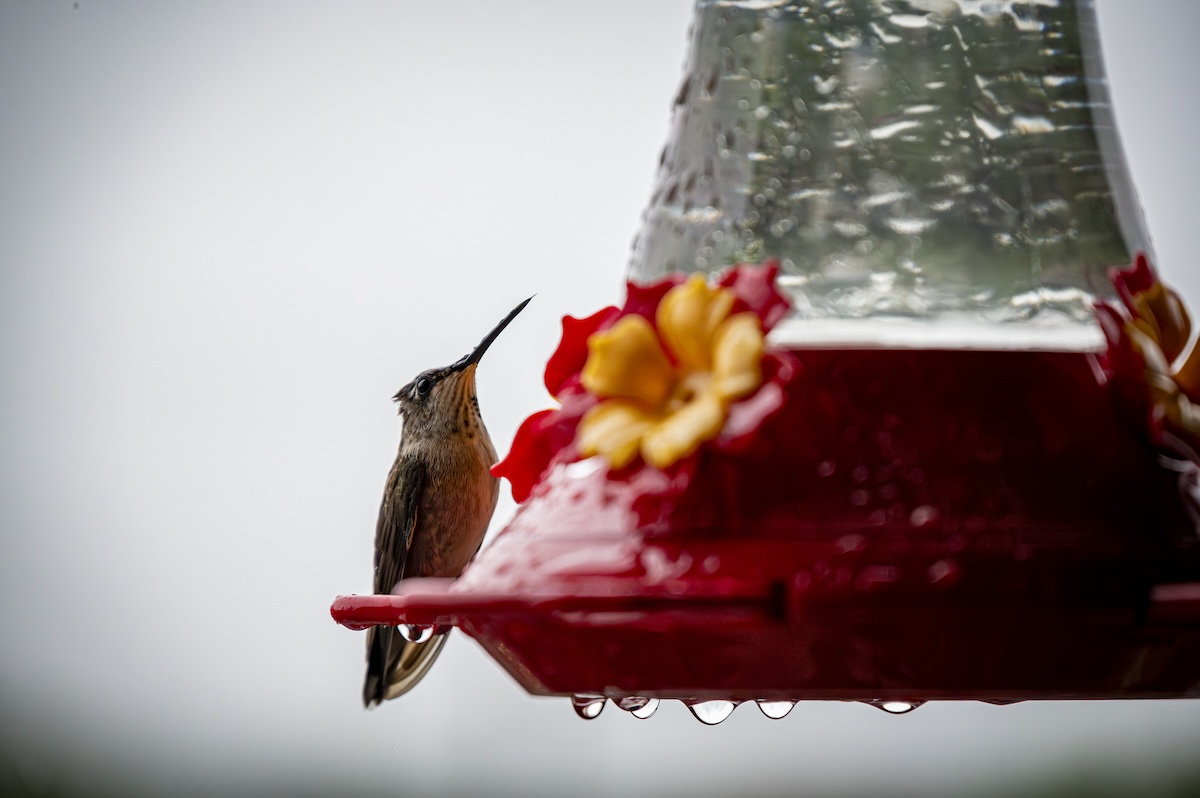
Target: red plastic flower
(681, 363)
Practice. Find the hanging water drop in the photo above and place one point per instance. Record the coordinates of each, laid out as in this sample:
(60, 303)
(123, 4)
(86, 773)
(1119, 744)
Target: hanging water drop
(897, 707)
(630, 702)
(775, 709)
(638, 706)
(710, 713)
(415, 633)
(588, 707)
(646, 711)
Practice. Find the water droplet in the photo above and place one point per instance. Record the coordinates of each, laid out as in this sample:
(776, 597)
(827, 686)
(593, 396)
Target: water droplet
(909, 20)
(944, 573)
(646, 711)
(892, 128)
(588, 707)
(415, 633)
(825, 85)
(1032, 124)
(923, 515)
(988, 128)
(637, 706)
(909, 226)
(776, 709)
(897, 707)
(583, 468)
(710, 713)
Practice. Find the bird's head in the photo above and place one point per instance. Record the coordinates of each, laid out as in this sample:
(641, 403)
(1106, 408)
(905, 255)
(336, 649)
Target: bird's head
(444, 398)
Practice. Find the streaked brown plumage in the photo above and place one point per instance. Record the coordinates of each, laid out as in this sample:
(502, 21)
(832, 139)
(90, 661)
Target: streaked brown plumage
(438, 501)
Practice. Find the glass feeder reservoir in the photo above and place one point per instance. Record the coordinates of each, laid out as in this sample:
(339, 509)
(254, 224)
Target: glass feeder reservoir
(930, 173)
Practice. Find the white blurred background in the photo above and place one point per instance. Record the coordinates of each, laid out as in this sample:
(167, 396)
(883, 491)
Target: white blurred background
(228, 233)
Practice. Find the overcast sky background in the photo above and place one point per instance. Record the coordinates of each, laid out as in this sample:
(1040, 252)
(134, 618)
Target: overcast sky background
(228, 233)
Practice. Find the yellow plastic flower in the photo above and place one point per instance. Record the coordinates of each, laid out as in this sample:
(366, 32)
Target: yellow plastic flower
(1156, 331)
(657, 408)
(1159, 332)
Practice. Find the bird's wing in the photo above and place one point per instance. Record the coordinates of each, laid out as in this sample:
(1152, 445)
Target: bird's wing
(398, 518)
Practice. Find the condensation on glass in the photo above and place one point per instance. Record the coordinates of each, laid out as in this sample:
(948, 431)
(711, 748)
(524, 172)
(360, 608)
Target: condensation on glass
(928, 172)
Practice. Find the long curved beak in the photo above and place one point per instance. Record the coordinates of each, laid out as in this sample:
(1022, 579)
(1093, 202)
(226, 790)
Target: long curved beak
(477, 355)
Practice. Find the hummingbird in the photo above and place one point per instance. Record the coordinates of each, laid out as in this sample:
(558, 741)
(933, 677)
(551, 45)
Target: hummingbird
(437, 504)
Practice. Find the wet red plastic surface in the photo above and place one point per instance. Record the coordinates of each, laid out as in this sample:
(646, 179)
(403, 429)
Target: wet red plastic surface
(913, 525)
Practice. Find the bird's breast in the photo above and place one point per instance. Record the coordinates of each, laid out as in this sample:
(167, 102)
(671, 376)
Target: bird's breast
(455, 509)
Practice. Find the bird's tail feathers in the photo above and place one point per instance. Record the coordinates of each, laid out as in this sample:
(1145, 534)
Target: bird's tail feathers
(394, 665)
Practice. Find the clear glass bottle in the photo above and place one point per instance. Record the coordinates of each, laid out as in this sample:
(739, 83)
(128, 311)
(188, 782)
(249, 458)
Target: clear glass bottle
(930, 173)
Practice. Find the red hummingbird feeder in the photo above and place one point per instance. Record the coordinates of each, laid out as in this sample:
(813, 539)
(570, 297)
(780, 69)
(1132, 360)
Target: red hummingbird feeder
(940, 444)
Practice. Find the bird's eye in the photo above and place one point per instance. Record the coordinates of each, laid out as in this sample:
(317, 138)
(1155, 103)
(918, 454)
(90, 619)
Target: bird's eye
(424, 386)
